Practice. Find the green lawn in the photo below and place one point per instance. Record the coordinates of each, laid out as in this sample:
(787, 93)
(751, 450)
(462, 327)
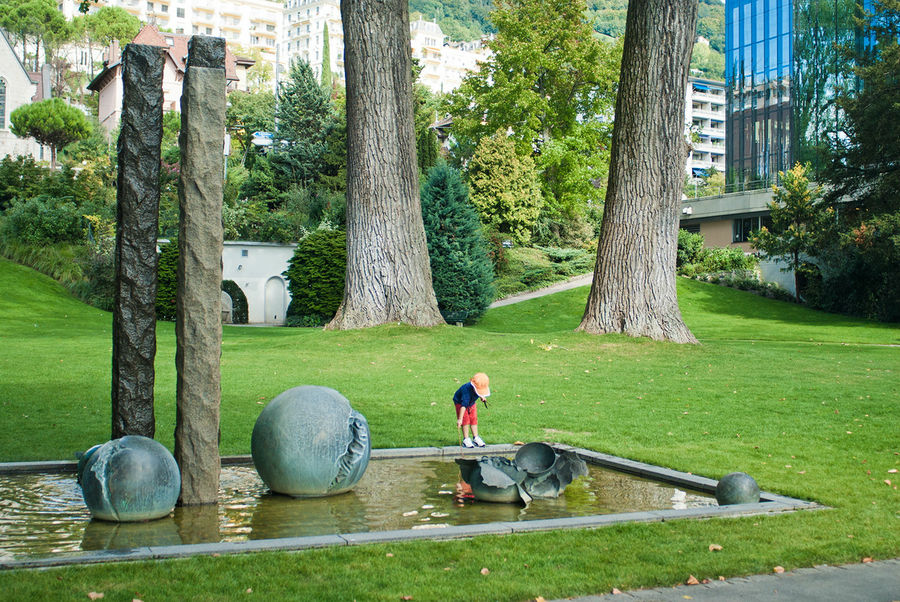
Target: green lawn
(805, 402)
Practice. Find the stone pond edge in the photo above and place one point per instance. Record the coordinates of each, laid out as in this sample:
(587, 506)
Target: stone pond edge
(770, 503)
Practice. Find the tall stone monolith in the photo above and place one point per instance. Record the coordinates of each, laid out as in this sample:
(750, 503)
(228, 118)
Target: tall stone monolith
(137, 219)
(198, 324)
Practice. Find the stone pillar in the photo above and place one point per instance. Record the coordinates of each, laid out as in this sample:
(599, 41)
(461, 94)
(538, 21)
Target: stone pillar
(198, 325)
(137, 219)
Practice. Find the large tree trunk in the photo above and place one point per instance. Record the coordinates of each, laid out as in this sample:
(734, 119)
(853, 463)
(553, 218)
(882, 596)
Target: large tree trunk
(388, 276)
(633, 291)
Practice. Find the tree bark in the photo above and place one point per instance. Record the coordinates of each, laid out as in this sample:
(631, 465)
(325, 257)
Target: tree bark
(633, 291)
(388, 276)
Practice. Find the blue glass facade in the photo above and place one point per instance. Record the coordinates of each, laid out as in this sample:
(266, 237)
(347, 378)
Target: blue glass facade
(783, 65)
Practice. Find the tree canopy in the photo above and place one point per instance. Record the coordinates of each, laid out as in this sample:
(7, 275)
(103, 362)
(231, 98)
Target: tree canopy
(51, 122)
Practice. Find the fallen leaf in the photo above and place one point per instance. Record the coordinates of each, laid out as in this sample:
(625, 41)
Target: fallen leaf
(540, 599)
(705, 581)
(721, 578)
(390, 554)
(778, 569)
(616, 590)
(136, 600)
(406, 597)
(892, 471)
(519, 443)
(249, 590)
(95, 595)
(867, 559)
(888, 481)
(485, 571)
(411, 513)
(714, 547)
(692, 581)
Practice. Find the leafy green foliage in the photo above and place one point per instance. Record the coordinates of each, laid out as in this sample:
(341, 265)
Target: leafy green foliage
(304, 117)
(110, 23)
(51, 122)
(42, 220)
(245, 114)
(690, 246)
(798, 220)
(315, 277)
(34, 22)
(167, 281)
(693, 258)
(461, 272)
(858, 257)
(546, 73)
(20, 178)
(504, 188)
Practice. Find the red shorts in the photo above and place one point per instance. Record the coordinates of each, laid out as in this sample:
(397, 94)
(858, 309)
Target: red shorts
(469, 414)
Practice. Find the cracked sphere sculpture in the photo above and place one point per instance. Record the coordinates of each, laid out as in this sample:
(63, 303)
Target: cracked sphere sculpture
(309, 442)
(130, 479)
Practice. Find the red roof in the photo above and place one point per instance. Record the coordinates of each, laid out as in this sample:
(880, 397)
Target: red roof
(176, 45)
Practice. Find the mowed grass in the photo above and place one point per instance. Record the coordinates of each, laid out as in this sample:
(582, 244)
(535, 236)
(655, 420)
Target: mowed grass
(806, 402)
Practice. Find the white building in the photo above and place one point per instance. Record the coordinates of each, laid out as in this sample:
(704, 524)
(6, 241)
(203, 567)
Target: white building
(705, 116)
(17, 88)
(108, 83)
(256, 267)
(250, 24)
(444, 64)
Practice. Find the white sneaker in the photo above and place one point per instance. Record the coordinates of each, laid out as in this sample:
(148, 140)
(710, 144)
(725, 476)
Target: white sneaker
(468, 442)
(479, 441)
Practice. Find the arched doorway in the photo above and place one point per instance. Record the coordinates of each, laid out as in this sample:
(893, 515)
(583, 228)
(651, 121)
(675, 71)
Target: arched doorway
(275, 306)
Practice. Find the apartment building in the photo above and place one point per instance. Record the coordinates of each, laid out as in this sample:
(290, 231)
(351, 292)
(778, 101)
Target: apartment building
(444, 64)
(245, 24)
(705, 111)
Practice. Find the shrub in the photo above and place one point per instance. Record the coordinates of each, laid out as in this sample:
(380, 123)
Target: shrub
(238, 301)
(315, 277)
(167, 281)
(726, 259)
(461, 273)
(690, 246)
(42, 220)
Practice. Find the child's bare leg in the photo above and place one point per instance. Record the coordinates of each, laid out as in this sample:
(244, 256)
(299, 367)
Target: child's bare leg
(474, 430)
(466, 431)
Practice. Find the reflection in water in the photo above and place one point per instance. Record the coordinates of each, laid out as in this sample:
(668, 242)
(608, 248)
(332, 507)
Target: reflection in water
(44, 515)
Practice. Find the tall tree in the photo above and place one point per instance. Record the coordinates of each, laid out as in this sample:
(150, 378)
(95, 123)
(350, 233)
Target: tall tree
(798, 222)
(326, 78)
(304, 116)
(388, 272)
(505, 188)
(463, 274)
(547, 72)
(51, 122)
(633, 291)
(37, 21)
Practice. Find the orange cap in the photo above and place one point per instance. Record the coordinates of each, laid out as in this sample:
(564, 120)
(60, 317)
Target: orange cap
(481, 383)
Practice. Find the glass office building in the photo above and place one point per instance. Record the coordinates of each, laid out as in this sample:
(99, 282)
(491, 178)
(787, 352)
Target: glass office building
(784, 63)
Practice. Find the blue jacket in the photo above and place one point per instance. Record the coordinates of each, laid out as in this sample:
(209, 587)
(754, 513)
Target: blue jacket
(466, 395)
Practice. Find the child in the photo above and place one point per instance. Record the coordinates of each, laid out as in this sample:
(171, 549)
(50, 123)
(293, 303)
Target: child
(466, 402)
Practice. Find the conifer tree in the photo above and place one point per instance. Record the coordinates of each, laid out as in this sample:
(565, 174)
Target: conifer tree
(326, 78)
(304, 117)
(461, 272)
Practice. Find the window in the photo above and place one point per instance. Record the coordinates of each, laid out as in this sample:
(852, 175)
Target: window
(742, 227)
(164, 7)
(209, 31)
(150, 7)
(179, 12)
(244, 252)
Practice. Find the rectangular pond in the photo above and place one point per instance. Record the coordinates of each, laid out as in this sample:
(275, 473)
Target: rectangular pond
(404, 494)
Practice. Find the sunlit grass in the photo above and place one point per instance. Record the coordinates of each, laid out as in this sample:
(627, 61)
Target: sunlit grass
(805, 402)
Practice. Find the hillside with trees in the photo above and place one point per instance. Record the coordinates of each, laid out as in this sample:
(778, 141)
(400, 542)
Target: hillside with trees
(464, 20)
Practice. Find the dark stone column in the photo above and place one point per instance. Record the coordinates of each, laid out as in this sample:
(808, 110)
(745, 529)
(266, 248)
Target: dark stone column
(137, 219)
(198, 325)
